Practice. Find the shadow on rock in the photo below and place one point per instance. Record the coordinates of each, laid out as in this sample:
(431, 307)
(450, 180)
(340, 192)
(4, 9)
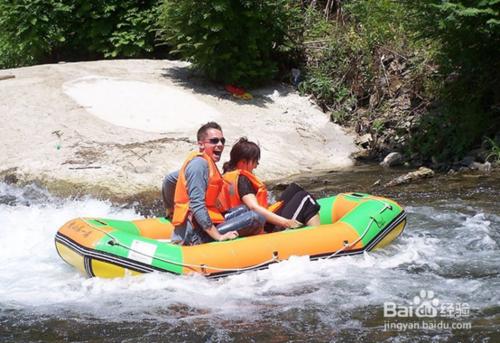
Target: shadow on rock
(190, 79)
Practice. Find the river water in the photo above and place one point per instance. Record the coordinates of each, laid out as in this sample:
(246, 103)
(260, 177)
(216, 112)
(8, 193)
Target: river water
(447, 259)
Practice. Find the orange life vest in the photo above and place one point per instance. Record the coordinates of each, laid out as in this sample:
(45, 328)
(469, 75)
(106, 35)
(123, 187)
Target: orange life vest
(181, 197)
(230, 197)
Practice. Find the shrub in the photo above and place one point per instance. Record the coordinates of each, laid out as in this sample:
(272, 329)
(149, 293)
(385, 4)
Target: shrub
(427, 70)
(231, 41)
(41, 31)
(31, 29)
(115, 28)
(379, 22)
(467, 34)
(330, 57)
(494, 149)
(343, 59)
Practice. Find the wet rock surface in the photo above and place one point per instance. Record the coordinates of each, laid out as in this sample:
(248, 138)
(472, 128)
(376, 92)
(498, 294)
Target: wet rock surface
(421, 173)
(392, 159)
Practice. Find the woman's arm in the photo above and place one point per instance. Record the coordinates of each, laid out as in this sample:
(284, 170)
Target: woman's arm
(216, 235)
(251, 202)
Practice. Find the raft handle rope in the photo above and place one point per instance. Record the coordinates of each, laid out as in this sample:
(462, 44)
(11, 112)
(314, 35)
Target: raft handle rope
(370, 197)
(372, 220)
(202, 267)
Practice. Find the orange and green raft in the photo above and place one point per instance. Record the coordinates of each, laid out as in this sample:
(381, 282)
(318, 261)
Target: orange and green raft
(351, 223)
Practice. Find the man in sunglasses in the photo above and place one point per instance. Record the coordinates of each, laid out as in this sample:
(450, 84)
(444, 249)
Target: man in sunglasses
(193, 193)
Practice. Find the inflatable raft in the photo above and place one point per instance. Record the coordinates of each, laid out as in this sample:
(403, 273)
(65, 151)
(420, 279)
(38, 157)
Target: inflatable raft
(351, 223)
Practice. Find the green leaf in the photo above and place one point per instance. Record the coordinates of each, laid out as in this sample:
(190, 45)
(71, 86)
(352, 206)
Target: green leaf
(493, 22)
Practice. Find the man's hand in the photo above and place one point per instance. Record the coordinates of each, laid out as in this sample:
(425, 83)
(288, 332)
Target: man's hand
(169, 212)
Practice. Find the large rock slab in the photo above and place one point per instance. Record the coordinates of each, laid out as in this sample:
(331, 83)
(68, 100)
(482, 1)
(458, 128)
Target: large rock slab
(115, 128)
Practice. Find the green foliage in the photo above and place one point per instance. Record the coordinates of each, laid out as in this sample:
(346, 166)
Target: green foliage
(494, 150)
(115, 28)
(134, 35)
(38, 31)
(468, 38)
(378, 126)
(233, 41)
(444, 135)
(342, 56)
(30, 30)
(426, 72)
(328, 63)
(378, 22)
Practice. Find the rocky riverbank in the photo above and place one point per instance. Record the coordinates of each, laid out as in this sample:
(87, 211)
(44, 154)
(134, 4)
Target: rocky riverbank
(397, 112)
(113, 129)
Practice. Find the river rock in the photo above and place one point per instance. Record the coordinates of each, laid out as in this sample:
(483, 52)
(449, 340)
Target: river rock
(363, 154)
(421, 173)
(467, 161)
(482, 167)
(392, 159)
(364, 140)
(114, 128)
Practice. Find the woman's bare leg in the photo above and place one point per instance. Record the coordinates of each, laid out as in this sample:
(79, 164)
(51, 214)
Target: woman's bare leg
(314, 221)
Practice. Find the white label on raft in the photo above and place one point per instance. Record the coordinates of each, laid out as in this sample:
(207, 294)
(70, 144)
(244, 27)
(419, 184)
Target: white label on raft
(142, 251)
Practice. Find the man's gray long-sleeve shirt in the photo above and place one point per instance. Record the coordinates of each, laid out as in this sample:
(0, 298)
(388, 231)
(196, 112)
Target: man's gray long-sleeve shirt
(168, 190)
(197, 184)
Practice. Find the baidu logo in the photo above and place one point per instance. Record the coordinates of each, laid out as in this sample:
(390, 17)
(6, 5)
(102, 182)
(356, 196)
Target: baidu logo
(425, 305)
(428, 312)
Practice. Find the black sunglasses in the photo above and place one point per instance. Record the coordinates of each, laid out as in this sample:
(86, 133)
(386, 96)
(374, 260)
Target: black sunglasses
(216, 140)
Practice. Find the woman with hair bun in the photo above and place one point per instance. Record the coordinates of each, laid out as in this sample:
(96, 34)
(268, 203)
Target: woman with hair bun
(295, 207)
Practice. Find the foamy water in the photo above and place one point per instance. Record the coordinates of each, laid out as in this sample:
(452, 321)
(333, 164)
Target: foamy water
(451, 249)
